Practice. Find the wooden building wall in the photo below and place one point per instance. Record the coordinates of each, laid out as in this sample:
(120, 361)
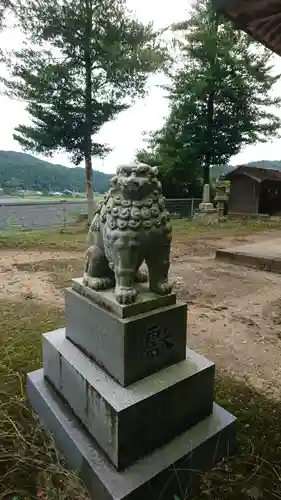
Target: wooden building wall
(243, 196)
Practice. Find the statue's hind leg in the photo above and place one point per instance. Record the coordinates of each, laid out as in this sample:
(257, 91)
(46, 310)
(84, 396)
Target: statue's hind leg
(158, 263)
(97, 273)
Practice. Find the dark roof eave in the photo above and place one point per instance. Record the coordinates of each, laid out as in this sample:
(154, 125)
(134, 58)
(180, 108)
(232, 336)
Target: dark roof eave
(242, 174)
(226, 7)
(257, 174)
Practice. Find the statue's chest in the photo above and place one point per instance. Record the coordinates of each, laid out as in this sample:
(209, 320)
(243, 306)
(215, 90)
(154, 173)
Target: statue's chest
(141, 216)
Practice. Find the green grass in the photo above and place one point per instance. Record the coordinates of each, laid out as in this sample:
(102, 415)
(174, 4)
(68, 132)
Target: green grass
(29, 462)
(257, 464)
(229, 226)
(70, 240)
(75, 238)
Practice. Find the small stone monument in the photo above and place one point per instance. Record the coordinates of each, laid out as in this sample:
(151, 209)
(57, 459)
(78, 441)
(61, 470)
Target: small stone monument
(207, 212)
(206, 205)
(128, 404)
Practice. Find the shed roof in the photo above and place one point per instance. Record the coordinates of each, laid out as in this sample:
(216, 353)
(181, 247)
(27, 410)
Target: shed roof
(260, 18)
(258, 174)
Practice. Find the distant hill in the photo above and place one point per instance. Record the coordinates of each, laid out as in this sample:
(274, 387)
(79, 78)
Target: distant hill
(24, 171)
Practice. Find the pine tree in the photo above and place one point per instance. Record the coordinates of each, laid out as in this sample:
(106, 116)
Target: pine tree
(83, 63)
(4, 5)
(220, 97)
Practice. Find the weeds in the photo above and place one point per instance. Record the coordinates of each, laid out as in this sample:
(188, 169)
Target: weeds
(71, 240)
(30, 465)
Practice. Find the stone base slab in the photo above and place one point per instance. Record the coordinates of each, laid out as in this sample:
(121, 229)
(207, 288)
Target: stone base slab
(146, 300)
(129, 422)
(206, 207)
(206, 217)
(263, 255)
(168, 471)
(129, 349)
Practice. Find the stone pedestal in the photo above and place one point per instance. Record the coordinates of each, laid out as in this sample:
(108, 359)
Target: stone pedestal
(130, 407)
(207, 212)
(127, 341)
(221, 198)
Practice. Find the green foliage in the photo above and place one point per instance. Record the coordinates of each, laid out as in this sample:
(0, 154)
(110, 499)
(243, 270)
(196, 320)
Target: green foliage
(7, 8)
(116, 53)
(82, 63)
(5, 5)
(23, 171)
(177, 181)
(219, 98)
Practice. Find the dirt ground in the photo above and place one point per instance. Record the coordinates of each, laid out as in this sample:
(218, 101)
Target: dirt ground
(17, 284)
(234, 312)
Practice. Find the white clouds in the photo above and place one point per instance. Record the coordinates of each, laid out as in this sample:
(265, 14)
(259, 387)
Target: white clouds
(160, 13)
(125, 133)
(12, 113)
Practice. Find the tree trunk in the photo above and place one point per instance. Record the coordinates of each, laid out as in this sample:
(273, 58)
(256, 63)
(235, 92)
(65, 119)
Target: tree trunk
(210, 118)
(210, 104)
(89, 187)
(88, 110)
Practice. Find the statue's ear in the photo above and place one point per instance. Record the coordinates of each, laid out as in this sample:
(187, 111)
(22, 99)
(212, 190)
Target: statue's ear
(142, 168)
(154, 171)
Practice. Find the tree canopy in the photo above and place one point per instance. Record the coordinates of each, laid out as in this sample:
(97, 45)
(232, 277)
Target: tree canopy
(83, 62)
(219, 100)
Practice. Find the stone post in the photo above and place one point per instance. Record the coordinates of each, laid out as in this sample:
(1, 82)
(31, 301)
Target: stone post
(126, 401)
(206, 206)
(206, 212)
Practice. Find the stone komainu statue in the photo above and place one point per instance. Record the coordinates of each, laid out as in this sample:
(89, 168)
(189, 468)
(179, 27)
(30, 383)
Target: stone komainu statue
(131, 226)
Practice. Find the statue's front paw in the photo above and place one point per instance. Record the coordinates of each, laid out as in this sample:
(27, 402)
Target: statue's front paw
(125, 295)
(97, 283)
(162, 288)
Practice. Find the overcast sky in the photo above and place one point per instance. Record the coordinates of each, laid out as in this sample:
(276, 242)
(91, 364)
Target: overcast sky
(125, 133)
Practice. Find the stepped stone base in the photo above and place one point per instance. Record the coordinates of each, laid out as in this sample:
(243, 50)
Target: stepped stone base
(129, 422)
(166, 472)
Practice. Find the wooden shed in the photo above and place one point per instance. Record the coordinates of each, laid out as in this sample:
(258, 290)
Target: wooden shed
(259, 18)
(254, 191)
